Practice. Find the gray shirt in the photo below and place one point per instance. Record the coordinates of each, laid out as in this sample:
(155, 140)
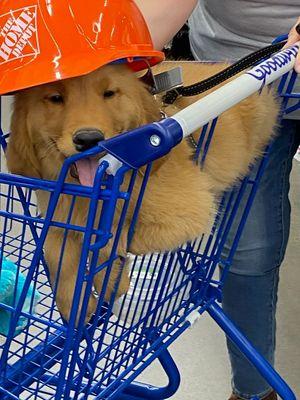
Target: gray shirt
(227, 30)
(230, 29)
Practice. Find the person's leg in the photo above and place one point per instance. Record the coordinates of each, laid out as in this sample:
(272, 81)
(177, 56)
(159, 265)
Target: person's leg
(250, 290)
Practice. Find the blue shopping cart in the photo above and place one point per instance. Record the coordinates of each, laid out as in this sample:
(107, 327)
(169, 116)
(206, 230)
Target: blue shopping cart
(51, 359)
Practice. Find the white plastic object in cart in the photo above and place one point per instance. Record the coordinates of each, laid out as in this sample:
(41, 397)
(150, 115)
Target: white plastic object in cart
(147, 284)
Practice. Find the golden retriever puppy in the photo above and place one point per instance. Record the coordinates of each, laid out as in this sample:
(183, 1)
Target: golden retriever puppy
(54, 121)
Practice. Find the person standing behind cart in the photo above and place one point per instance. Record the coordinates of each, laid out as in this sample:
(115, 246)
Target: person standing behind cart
(227, 31)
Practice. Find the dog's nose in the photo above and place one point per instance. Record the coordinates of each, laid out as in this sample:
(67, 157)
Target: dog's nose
(85, 139)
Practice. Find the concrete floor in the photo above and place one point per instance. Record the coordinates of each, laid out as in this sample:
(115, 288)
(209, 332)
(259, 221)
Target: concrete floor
(201, 352)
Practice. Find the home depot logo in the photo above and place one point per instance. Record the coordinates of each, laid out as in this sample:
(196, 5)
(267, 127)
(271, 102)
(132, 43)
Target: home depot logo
(18, 34)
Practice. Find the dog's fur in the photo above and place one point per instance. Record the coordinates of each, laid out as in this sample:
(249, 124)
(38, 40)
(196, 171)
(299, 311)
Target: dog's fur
(180, 198)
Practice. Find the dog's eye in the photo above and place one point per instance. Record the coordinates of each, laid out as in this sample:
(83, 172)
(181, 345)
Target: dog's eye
(56, 99)
(109, 94)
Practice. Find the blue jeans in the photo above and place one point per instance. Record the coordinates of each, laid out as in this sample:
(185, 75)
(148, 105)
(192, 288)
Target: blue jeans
(250, 291)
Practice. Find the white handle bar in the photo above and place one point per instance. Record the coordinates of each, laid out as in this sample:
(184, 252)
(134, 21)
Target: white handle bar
(204, 110)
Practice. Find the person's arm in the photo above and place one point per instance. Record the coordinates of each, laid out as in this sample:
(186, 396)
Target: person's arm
(165, 18)
(294, 36)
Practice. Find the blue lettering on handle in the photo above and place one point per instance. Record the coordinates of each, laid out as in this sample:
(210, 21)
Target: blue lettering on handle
(265, 69)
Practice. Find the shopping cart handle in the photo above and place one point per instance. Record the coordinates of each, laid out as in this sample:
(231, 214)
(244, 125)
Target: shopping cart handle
(145, 144)
(149, 142)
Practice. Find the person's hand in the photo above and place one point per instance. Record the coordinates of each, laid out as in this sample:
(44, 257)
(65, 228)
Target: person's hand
(294, 36)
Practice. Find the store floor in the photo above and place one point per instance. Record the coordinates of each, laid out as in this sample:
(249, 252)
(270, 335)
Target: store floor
(201, 352)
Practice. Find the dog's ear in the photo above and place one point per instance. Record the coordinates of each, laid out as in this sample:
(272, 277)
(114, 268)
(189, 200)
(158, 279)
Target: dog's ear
(151, 113)
(150, 107)
(21, 155)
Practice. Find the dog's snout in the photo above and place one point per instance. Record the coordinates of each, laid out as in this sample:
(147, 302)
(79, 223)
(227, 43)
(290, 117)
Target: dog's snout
(85, 139)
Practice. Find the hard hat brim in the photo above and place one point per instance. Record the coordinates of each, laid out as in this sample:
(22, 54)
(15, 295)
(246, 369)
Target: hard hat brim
(38, 73)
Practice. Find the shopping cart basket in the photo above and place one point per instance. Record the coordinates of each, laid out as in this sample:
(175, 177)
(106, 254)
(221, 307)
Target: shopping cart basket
(51, 359)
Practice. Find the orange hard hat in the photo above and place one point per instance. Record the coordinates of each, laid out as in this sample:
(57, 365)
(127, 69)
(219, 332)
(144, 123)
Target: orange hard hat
(42, 41)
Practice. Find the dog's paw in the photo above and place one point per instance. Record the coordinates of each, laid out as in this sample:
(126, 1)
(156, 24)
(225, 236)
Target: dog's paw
(91, 309)
(111, 291)
(65, 306)
(124, 284)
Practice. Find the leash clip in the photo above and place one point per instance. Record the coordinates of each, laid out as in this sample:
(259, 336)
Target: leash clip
(164, 81)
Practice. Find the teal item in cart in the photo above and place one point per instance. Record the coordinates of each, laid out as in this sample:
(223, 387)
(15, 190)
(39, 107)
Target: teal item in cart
(11, 285)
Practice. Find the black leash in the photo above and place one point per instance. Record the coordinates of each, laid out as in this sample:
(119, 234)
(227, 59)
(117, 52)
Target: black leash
(246, 62)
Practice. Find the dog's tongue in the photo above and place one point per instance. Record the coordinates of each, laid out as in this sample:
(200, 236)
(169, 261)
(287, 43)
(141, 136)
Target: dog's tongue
(87, 169)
